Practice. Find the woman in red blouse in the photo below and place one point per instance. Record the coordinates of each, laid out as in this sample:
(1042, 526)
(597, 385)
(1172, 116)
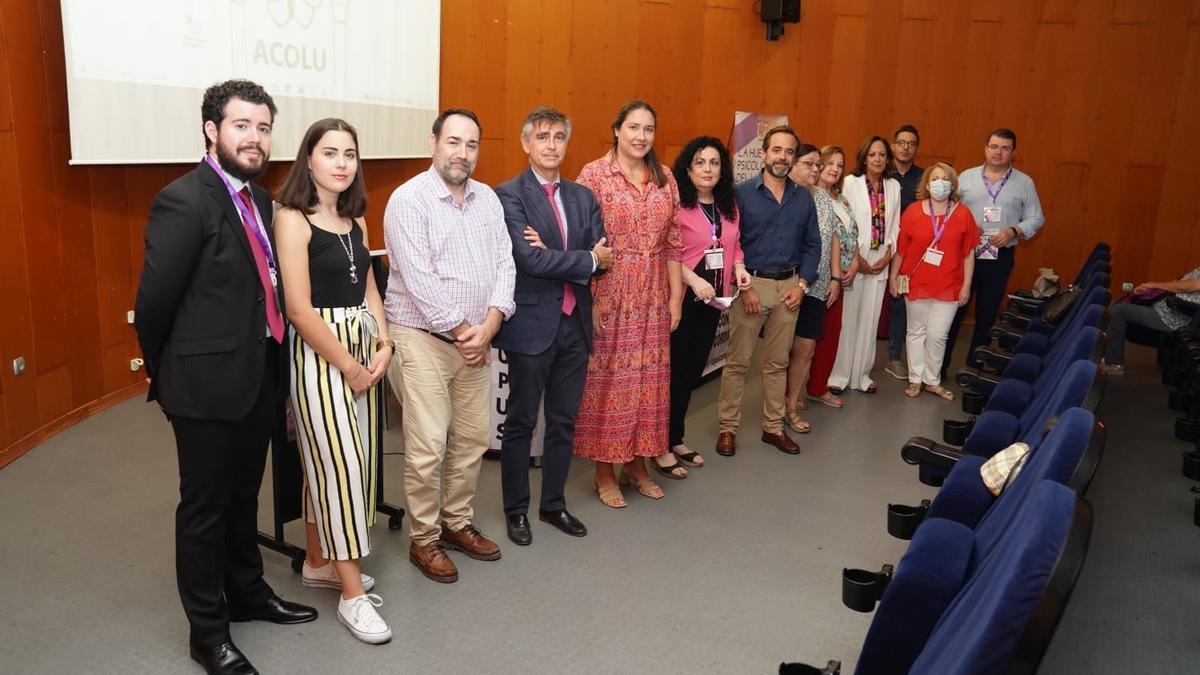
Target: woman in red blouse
(936, 252)
(636, 304)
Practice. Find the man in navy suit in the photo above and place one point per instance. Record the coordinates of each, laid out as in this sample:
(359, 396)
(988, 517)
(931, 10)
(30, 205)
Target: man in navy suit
(558, 244)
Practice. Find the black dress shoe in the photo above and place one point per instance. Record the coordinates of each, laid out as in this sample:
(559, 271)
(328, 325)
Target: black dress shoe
(224, 659)
(563, 521)
(275, 610)
(518, 530)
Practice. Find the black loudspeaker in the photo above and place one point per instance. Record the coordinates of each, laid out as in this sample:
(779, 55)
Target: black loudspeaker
(783, 11)
(791, 11)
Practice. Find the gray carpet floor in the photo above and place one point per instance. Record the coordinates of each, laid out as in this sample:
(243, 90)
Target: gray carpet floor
(737, 569)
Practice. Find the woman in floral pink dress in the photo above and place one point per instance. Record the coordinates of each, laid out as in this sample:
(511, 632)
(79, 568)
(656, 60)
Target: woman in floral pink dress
(627, 399)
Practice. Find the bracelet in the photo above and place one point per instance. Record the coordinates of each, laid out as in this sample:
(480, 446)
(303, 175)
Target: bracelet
(739, 262)
(385, 342)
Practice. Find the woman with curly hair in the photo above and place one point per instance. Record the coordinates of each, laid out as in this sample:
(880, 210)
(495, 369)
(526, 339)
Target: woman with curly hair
(712, 267)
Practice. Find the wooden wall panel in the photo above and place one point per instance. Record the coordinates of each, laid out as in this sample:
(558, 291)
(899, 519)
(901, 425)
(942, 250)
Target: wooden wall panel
(1104, 97)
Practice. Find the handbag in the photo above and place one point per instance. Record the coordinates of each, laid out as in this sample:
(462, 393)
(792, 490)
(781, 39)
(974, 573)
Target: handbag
(1000, 471)
(1147, 298)
(1058, 306)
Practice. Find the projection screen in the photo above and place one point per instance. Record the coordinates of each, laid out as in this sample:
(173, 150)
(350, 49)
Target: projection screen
(137, 70)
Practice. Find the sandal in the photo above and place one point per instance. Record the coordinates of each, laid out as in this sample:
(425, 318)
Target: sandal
(871, 389)
(646, 486)
(829, 399)
(801, 405)
(836, 391)
(940, 391)
(913, 390)
(669, 470)
(688, 457)
(795, 423)
(610, 495)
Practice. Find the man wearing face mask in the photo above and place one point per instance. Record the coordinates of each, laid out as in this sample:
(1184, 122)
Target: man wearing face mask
(1005, 204)
(781, 243)
(904, 144)
(451, 287)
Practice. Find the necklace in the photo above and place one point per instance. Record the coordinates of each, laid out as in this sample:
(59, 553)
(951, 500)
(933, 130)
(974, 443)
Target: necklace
(348, 247)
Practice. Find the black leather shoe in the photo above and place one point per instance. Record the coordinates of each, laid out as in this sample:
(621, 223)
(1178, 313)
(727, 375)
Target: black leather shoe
(275, 610)
(563, 521)
(518, 530)
(224, 659)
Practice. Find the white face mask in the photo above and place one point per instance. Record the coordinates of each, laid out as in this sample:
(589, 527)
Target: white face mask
(939, 188)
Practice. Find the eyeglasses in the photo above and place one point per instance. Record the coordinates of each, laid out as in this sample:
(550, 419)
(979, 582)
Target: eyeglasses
(810, 163)
(905, 144)
(1002, 148)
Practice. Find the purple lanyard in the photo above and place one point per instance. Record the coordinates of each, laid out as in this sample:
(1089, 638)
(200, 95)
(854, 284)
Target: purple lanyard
(247, 214)
(999, 186)
(939, 224)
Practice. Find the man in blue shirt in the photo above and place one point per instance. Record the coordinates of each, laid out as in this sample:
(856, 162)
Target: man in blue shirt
(781, 244)
(1006, 207)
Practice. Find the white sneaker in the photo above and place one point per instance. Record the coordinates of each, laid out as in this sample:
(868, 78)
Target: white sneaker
(326, 576)
(358, 615)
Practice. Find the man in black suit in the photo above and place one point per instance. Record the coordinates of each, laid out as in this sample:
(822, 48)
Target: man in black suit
(558, 244)
(210, 325)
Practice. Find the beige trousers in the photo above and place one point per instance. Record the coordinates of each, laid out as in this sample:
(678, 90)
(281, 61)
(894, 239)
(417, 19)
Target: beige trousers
(445, 430)
(778, 330)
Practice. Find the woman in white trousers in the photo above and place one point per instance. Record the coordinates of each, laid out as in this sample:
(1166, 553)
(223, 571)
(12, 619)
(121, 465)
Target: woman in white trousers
(935, 257)
(875, 198)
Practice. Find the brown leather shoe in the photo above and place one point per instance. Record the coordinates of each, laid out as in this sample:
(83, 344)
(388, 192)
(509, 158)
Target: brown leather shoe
(472, 542)
(726, 445)
(433, 562)
(782, 441)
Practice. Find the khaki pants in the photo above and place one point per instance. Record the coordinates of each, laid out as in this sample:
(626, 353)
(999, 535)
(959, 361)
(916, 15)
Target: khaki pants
(446, 419)
(778, 330)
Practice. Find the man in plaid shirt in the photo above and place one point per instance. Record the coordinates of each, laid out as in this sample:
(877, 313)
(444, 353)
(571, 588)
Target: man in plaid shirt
(450, 288)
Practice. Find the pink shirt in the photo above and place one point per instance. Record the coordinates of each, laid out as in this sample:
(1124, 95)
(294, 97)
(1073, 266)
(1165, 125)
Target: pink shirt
(697, 236)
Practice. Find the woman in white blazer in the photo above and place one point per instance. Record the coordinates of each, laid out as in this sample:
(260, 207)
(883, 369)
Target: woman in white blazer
(875, 198)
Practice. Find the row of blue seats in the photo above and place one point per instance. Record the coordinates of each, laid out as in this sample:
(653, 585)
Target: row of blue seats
(985, 578)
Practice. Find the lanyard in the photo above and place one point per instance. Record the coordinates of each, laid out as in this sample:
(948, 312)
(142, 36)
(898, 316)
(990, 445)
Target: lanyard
(999, 186)
(939, 224)
(714, 221)
(247, 214)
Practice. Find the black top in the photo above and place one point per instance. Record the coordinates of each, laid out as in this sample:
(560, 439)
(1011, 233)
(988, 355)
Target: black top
(329, 267)
(908, 185)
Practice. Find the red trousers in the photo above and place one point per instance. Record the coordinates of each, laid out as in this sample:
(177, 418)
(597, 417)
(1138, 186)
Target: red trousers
(826, 351)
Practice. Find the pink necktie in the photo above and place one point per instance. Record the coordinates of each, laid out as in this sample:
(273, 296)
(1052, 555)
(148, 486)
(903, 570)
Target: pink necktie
(568, 304)
(274, 318)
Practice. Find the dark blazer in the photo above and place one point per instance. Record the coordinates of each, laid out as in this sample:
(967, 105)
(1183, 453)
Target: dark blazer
(541, 274)
(200, 312)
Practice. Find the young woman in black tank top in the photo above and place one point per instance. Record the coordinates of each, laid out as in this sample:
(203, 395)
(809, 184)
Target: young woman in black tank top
(340, 350)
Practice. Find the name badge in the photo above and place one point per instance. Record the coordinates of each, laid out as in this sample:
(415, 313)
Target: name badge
(933, 257)
(991, 214)
(714, 259)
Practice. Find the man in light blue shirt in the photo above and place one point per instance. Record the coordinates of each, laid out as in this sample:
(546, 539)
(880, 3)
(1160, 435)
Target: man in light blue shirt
(1005, 204)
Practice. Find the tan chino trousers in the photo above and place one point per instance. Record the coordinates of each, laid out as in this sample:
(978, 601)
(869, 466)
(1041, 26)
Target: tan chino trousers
(446, 419)
(778, 329)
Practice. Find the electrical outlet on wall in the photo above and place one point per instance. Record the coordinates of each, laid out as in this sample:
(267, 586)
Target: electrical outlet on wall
(1127, 287)
(129, 316)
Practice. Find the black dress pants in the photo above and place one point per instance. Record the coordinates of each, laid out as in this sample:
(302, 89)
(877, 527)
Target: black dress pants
(690, 345)
(987, 292)
(217, 559)
(558, 372)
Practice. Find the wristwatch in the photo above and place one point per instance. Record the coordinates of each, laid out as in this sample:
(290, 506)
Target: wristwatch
(803, 285)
